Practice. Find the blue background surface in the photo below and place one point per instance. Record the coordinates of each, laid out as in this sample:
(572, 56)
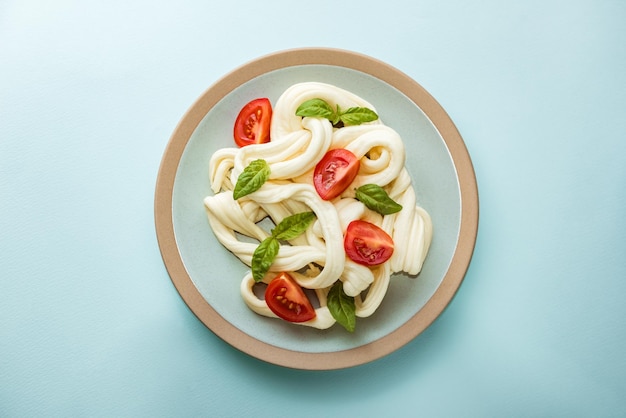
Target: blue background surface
(90, 324)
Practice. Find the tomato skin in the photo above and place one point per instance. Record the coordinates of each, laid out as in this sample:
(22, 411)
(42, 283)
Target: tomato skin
(367, 244)
(335, 172)
(287, 300)
(252, 125)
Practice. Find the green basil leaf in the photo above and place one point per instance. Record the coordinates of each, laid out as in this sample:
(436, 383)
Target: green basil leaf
(315, 108)
(251, 178)
(263, 257)
(342, 306)
(357, 116)
(376, 198)
(292, 226)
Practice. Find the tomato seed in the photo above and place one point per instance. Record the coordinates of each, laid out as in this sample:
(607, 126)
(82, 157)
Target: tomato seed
(365, 251)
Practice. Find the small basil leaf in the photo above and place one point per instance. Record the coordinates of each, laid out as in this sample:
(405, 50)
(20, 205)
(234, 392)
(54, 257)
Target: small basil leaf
(315, 108)
(358, 115)
(263, 257)
(342, 306)
(376, 198)
(292, 226)
(251, 178)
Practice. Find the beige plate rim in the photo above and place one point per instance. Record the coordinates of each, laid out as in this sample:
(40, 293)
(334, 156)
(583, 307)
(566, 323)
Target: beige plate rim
(277, 355)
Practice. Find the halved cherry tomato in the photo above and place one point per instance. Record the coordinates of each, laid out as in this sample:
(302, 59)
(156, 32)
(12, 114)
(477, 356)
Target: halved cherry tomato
(253, 123)
(367, 244)
(287, 300)
(334, 173)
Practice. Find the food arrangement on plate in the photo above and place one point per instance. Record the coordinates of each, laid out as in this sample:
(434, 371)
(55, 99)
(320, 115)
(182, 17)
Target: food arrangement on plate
(315, 199)
(305, 247)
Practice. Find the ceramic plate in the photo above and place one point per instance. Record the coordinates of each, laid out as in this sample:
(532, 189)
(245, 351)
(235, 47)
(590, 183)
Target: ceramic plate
(208, 277)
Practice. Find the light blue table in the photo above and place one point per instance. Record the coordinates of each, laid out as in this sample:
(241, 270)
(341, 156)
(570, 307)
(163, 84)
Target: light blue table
(90, 324)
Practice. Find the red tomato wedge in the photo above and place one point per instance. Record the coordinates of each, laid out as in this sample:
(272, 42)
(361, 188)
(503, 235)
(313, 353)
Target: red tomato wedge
(252, 125)
(334, 173)
(367, 244)
(287, 300)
